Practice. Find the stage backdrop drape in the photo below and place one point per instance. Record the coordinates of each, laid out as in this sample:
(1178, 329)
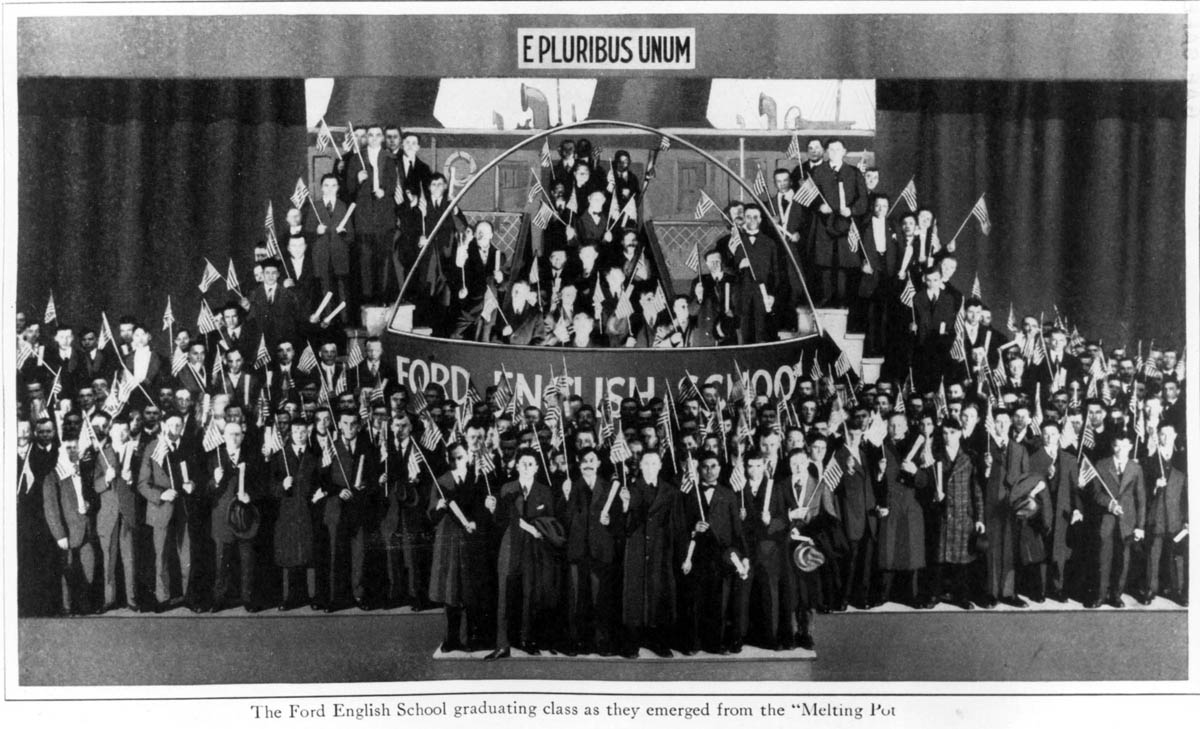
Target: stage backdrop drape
(1085, 190)
(127, 185)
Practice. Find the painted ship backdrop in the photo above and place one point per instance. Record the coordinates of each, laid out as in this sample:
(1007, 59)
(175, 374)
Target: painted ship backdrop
(489, 172)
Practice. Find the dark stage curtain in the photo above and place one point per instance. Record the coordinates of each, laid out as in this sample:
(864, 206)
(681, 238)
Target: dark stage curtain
(1085, 188)
(127, 185)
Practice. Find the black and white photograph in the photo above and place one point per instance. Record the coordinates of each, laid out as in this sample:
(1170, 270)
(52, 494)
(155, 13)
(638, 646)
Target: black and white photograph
(537, 362)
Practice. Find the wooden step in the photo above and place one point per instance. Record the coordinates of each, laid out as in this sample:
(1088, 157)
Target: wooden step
(871, 367)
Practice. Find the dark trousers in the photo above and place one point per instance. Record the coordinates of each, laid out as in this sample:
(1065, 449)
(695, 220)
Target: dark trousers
(346, 540)
(753, 319)
(409, 565)
(515, 591)
(1113, 559)
(118, 544)
(856, 569)
(887, 579)
(374, 264)
(764, 600)
(1177, 569)
(704, 617)
(295, 579)
(244, 548)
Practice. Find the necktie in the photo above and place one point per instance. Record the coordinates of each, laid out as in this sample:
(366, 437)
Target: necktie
(271, 296)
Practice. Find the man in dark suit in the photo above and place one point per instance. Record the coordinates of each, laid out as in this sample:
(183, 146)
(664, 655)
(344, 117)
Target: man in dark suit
(763, 509)
(274, 308)
(520, 506)
(236, 334)
(194, 377)
(37, 559)
(715, 555)
(412, 172)
(241, 386)
(300, 276)
(480, 268)
(562, 170)
(284, 378)
(371, 184)
(759, 262)
(519, 321)
(843, 200)
(815, 151)
(856, 500)
(235, 477)
(1059, 367)
(65, 361)
(353, 485)
(1059, 470)
(594, 536)
(331, 233)
(1166, 517)
(934, 333)
(147, 367)
(373, 370)
(877, 291)
(406, 520)
(713, 293)
(1119, 492)
(982, 343)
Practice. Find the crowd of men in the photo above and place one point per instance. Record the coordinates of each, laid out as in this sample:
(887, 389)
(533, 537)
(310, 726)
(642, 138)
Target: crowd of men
(267, 460)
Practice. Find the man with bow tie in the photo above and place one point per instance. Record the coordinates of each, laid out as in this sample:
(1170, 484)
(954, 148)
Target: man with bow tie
(759, 263)
(716, 555)
(331, 233)
(1119, 492)
(167, 472)
(521, 570)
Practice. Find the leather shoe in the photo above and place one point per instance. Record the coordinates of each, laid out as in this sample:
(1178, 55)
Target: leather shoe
(735, 648)
(841, 607)
(629, 652)
(963, 604)
(452, 646)
(663, 652)
(1115, 602)
(1092, 604)
(1145, 599)
(1181, 601)
(988, 602)
(1057, 596)
(497, 654)
(254, 608)
(805, 641)
(1014, 601)
(531, 649)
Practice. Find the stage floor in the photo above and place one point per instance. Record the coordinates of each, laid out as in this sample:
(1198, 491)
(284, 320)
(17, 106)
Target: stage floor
(1047, 643)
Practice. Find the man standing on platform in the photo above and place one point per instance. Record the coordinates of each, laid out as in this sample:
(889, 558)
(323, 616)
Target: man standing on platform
(1119, 490)
(756, 256)
(331, 233)
(656, 539)
(371, 185)
(843, 200)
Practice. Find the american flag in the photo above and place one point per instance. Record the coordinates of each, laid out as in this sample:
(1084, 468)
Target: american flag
(51, 311)
(106, 335)
(535, 190)
(793, 149)
(657, 306)
(737, 476)
(161, 451)
(417, 402)
(1088, 439)
(744, 432)
(1012, 320)
(350, 141)
(269, 220)
(704, 205)
(545, 156)
(231, 279)
(168, 317)
(735, 240)
(65, 469)
(843, 363)
(504, 394)
(693, 259)
(542, 218)
(909, 194)
(210, 277)
(989, 420)
(619, 453)
(998, 374)
(212, 436)
(178, 361)
(980, 213)
(629, 212)
(300, 194)
(624, 308)
(206, 322)
(958, 351)
(760, 183)
(24, 352)
(939, 401)
(490, 303)
(308, 360)
(325, 139)
(907, 295)
(854, 238)
(432, 438)
(815, 373)
(271, 442)
(1087, 472)
(354, 354)
(262, 357)
(832, 475)
(484, 465)
(976, 289)
(663, 144)
(1038, 417)
(806, 193)
(218, 368)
